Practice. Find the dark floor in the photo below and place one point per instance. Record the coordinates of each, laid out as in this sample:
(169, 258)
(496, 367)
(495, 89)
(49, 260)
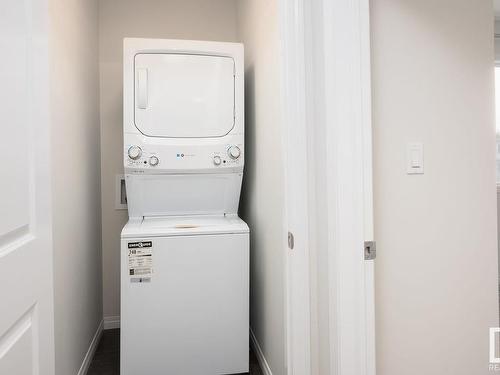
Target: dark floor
(107, 356)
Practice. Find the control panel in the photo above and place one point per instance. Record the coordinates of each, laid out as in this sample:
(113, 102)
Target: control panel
(230, 157)
(138, 158)
(183, 158)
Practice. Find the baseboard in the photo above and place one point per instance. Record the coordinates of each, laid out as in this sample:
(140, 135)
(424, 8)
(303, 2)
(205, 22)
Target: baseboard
(90, 353)
(264, 366)
(111, 322)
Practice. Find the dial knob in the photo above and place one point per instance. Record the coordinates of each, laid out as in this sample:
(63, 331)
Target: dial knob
(153, 161)
(234, 152)
(134, 152)
(217, 160)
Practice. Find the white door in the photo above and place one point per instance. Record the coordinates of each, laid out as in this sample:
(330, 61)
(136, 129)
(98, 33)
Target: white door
(26, 302)
(182, 96)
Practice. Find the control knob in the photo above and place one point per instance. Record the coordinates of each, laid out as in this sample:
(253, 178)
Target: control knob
(234, 152)
(153, 161)
(134, 152)
(217, 160)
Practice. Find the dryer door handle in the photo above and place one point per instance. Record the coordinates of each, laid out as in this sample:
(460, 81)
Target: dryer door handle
(142, 88)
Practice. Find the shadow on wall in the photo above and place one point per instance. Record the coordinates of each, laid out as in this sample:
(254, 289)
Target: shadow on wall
(249, 175)
(250, 163)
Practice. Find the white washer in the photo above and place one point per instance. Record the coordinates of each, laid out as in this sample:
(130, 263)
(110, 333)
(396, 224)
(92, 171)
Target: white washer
(184, 251)
(185, 309)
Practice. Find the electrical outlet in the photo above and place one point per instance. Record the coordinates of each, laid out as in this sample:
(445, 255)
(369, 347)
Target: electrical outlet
(120, 193)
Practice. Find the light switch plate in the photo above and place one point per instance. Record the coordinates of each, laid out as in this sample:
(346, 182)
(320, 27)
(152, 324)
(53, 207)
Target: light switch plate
(415, 158)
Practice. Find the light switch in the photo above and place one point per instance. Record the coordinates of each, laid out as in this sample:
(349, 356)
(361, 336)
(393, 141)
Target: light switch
(415, 156)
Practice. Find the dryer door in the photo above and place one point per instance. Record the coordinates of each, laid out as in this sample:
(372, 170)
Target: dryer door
(184, 96)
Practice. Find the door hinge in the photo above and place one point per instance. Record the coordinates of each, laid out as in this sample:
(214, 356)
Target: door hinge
(291, 241)
(370, 250)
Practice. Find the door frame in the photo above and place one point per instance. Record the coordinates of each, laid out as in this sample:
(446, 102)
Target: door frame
(328, 142)
(297, 260)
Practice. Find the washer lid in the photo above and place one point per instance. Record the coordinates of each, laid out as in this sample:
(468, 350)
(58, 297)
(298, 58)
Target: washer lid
(184, 95)
(184, 226)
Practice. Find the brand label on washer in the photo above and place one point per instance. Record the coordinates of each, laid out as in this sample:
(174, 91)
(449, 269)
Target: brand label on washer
(140, 261)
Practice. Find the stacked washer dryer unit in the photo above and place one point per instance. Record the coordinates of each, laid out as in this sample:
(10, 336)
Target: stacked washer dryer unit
(184, 251)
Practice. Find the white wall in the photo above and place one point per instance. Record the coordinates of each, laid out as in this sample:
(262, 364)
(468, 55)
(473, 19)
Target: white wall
(262, 203)
(75, 179)
(174, 19)
(497, 40)
(436, 269)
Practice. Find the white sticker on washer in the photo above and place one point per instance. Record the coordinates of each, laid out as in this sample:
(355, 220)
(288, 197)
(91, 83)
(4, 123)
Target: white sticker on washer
(140, 261)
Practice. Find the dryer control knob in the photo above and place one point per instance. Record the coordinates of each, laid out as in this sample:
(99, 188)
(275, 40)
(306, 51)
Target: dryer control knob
(134, 152)
(217, 160)
(153, 161)
(234, 152)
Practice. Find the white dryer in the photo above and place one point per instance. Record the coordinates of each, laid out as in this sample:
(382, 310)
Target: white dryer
(184, 251)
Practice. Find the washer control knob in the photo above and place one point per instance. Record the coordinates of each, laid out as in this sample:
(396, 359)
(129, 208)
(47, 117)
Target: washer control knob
(134, 152)
(217, 160)
(234, 152)
(153, 161)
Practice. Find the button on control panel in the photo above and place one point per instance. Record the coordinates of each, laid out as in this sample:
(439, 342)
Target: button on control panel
(153, 161)
(134, 152)
(217, 160)
(234, 152)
